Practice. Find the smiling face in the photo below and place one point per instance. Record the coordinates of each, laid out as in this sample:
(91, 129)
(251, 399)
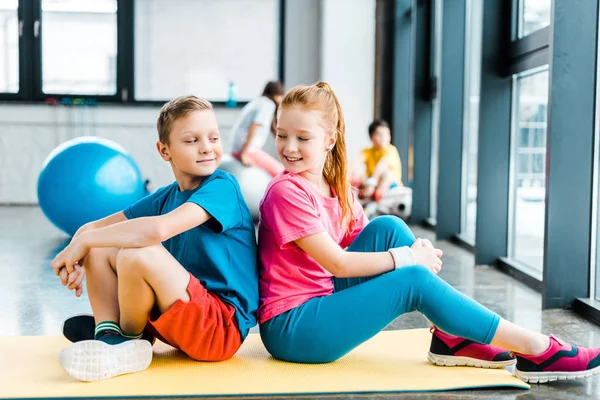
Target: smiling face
(302, 141)
(194, 149)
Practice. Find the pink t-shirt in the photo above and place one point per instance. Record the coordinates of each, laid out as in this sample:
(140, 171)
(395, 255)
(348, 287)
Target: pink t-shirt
(292, 209)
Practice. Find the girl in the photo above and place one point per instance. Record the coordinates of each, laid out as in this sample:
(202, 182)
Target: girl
(252, 129)
(319, 301)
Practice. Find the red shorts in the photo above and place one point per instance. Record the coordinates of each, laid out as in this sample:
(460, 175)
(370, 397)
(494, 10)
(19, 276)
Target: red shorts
(204, 328)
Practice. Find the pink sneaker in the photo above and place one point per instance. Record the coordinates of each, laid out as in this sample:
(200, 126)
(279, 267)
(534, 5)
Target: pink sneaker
(561, 361)
(453, 351)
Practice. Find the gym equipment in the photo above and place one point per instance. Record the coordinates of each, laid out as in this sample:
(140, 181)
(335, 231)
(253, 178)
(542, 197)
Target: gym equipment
(85, 179)
(390, 362)
(253, 182)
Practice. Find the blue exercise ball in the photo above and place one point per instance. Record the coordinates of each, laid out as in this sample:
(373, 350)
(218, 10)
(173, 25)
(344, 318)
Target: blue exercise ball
(85, 179)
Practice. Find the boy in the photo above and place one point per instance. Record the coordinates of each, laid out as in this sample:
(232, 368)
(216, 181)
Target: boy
(383, 170)
(197, 291)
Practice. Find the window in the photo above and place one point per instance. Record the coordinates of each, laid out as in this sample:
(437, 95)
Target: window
(201, 46)
(533, 15)
(528, 191)
(595, 236)
(79, 47)
(89, 51)
(435, 118)
(471, 119)
(9, 46)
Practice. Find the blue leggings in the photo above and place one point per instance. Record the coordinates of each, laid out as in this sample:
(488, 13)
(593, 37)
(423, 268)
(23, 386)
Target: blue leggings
(326, 328)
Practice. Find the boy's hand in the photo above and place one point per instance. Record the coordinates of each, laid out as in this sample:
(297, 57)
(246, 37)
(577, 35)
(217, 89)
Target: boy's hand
(73, 254)
(74, 280)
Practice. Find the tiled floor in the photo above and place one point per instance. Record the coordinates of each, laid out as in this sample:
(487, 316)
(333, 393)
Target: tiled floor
(32, 301)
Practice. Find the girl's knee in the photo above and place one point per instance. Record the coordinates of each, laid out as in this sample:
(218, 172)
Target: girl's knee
(416, 274)
(403, 236)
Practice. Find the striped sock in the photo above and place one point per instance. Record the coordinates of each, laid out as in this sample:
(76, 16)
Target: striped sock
(132, 336)
(107, 326)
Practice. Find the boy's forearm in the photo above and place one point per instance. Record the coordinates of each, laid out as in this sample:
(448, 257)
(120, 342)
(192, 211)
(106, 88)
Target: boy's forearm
(100, 223)
(138, 232)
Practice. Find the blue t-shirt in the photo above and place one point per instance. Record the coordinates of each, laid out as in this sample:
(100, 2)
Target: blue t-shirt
(221, 253)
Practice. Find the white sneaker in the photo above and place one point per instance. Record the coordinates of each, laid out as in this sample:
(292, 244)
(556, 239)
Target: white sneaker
(94, 360)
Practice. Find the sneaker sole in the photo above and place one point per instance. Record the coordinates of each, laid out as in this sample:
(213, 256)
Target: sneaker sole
(93, 360)
(545, 377)
(458, 361)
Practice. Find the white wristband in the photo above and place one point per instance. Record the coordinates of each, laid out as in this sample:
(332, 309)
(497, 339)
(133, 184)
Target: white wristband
(403, 257)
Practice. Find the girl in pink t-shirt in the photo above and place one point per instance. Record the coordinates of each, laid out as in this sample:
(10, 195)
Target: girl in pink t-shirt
(329, 280)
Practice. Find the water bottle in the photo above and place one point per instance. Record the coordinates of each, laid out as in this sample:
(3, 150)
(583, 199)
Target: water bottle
(231, 95)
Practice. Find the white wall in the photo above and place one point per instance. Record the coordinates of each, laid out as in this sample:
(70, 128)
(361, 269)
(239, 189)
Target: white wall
(330, 40)
(348, 64)
(28, 134)
(303, 42)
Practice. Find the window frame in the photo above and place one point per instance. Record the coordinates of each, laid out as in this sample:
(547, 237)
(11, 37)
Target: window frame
(30, 59)
(527, 55)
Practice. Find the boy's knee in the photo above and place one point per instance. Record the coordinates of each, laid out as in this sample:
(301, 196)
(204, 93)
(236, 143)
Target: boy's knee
(95, 255)
(126, 259)
(135, 258)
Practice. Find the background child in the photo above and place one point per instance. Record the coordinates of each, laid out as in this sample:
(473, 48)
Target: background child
(252, 129)
(318, 302)
(383, 169)
(197, 291)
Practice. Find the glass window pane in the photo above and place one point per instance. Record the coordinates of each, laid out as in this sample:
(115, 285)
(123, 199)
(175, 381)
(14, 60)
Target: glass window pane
(79, 47)
(471, 123)
(529, 192)
(9, 46)
(595, 262)
(435, 110)
(596, 285)
(201, 46)
(597, 288)
(534, 15)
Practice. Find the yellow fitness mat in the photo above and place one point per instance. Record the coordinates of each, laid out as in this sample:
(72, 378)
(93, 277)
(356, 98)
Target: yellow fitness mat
(392, 361)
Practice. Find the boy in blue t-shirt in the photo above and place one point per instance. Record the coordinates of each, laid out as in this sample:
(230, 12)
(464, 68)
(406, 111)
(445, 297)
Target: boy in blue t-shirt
(180, 263)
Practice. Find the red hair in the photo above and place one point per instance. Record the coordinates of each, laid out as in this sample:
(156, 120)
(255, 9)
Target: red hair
(321, 97)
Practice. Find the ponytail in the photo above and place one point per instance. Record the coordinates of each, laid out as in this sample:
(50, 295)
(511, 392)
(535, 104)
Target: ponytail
(336, 163)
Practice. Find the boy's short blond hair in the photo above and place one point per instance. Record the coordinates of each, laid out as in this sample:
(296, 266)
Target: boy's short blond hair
(175, 109)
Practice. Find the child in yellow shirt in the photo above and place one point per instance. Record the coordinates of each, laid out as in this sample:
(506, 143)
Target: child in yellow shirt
(383, 170)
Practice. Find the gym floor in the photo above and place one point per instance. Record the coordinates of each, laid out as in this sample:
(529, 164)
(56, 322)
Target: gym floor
(32, 301)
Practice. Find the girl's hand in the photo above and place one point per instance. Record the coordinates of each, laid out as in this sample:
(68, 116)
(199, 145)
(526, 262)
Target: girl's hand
(427, 256)
(427, 243)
